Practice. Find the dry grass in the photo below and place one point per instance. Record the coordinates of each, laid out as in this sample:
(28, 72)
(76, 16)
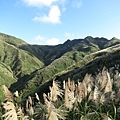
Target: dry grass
(11, 109)
(90, 99)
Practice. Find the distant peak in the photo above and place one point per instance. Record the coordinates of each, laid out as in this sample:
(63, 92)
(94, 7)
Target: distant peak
(115, 38)
(89, 37)
(67, 41)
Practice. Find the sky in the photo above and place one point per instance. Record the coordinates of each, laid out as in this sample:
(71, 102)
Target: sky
(52, 22)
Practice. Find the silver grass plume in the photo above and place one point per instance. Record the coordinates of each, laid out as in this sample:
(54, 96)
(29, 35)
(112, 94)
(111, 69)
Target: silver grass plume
(96, 93)
(29, 105)
(69, 98)
(37, 97)
(55, 91)
(8, 106)
(87, 78)
(16, 94)
(21, 115)
(108, 87)
(91, 96)
(88, 83)
(81, 91)
(69, 94)
(53, 113)
(102, 98)
(103, 80)
(10, 111)
(64, 84)
(8, 94)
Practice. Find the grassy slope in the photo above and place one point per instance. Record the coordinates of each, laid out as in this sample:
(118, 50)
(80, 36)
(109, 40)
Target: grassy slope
(108, 58)
(11, 40)
(15, 62)
(20, 61)
(59, 66)
(76, 57)
(25, 59)
(48, 54)
(6, 78)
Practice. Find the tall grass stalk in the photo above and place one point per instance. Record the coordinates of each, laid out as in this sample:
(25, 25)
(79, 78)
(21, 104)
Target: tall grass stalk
(92, 99)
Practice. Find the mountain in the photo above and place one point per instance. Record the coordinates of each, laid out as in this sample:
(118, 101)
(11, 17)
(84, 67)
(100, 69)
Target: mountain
(30, 68)
(49, 53)
(61, 61)
(15, 62)
(11, 40)
(90, 64)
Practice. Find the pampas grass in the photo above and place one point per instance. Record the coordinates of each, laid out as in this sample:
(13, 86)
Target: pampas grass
(8, 106)
(10, 111)
(69, 94)
(55, 91)
(53, 112)
(108, 87)
(8, 94)
(21, 115)
(94, 98)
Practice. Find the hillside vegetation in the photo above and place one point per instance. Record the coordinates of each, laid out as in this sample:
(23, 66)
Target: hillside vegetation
(70, 61)
(94, 98)
(15, 62)
(31, 69)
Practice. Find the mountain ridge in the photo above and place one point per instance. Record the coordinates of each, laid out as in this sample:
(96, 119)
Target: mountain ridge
(36, 65)
(53, 52)
(14, 62)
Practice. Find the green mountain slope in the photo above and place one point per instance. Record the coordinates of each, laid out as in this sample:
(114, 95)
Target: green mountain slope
(15, 62)
(108, 58)
(6, 78)
(27, 72)
(76, 54)
(48, 54)
(18, 60)
(11, 40)
(68, 61)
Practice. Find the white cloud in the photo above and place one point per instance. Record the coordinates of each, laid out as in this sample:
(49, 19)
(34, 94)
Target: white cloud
(52, 41)
(39, 3)
(52, 17)
(56, 7)
(44, 41)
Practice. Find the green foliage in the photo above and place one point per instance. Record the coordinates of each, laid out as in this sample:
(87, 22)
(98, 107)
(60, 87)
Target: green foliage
(85, 106)
(21, 62)
(29, 62)
(75, 63)
(112, 42)
(6, 78)
(48, 54)
(11, 40)
(14, 62)
(88, 111)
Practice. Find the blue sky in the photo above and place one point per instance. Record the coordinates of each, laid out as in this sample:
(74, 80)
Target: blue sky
(54, 21)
